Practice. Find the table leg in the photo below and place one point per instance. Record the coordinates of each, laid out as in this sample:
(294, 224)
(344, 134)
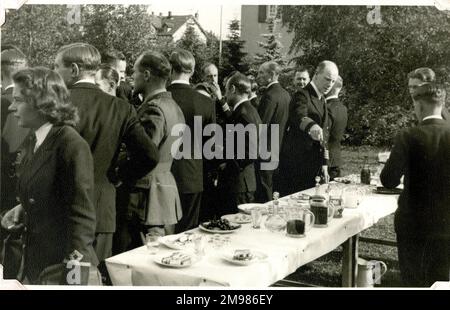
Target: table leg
(349, 261)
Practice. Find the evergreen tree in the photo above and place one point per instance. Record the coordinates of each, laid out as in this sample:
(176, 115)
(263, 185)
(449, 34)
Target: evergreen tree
(233, 55)
(272, 46)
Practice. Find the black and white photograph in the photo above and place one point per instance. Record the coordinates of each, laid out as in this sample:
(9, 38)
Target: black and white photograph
(209, 144)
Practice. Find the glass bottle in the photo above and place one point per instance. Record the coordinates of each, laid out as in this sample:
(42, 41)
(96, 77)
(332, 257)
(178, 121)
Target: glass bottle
(274, 222)
(365, 171)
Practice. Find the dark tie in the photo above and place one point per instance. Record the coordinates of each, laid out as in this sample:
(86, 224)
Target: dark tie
(31, 146)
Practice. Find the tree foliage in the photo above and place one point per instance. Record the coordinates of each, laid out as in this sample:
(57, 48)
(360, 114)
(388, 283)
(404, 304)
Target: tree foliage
(373, 59)
(234, 58)
(39, 30)
(272, 46)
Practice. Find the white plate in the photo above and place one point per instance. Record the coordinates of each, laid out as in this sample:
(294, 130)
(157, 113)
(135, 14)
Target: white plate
(257, 256)
(247, 207)
(239, 218)
(194, 259)
(177, 242)
(218, 231)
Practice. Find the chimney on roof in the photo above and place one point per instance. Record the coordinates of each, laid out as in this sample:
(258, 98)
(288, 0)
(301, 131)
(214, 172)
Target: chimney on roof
(196, 15)
(160, 14)
(153, 13)
(170, 14)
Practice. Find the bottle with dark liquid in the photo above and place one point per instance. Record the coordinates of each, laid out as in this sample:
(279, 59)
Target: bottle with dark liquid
(365, 171)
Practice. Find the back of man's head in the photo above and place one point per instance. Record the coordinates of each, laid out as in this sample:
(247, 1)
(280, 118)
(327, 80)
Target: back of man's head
(430, 94)
(111, 57)
(272, 67)
(156, 63)
(182, 61)
(423, 74)
(84, 55)
(336, 89)
(12, 59)
(241, 83)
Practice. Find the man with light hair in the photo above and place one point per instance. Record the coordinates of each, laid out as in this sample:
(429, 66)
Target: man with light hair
(304, 154)
(273, 110)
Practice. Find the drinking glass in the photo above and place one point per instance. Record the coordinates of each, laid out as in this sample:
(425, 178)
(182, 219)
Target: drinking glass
(152, 243)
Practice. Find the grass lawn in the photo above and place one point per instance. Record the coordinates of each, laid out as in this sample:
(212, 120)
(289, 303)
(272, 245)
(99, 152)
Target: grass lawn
(326, 271)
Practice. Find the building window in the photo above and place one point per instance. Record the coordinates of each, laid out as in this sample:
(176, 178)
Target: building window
(272, 11)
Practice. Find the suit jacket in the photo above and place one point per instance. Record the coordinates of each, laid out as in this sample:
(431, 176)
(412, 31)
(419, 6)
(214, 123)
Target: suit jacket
(105, 123)
(339, 117)
(12, 138)
(274, 109)
(6, 100)
(239, 174)
(159, 114)
(189, 172)
(302, 157)
(422, 155)
(56, 191)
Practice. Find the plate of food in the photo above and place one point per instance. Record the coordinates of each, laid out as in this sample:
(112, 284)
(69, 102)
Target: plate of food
(243, 257)
(179, 242)
(176, 260)
(239, 218)
(222, 226)
(247, 207)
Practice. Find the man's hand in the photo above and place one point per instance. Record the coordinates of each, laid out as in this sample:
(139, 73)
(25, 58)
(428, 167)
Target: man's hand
(316, 133)
(13, 219)
(326, 176)
(217, 91)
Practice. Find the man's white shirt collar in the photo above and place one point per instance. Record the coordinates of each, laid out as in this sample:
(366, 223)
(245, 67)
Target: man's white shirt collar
(90, 81)
(180, 82)
(332, 97)
(316, 90)
(8, 87)
(432, 117)
(271, 83)
(41, 134)
(239, 103)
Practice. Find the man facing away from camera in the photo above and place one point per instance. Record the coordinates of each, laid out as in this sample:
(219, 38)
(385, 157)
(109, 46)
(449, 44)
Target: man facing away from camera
(422, 221)
(188, 172)
(105, 122)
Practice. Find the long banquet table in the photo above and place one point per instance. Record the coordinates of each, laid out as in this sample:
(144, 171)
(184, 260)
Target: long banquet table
(285, 254)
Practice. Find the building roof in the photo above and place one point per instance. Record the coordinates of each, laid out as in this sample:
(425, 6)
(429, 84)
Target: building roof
(168, 25)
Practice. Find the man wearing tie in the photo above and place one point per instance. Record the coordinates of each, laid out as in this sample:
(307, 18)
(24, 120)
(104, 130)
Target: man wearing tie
(304, 151)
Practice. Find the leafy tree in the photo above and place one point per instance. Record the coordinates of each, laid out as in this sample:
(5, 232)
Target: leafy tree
(233, 54)
(39, 30)
(373, 58)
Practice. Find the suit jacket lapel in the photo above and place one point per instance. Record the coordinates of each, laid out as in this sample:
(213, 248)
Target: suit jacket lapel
(38, 159)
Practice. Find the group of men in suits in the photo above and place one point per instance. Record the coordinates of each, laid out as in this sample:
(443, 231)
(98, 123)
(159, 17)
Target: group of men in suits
(132, 148)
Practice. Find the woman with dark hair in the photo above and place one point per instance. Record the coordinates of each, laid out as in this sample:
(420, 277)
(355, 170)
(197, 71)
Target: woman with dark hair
(55, 184)
(107, 79)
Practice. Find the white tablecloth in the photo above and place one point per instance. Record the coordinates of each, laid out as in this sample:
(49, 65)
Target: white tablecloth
(285, 254)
